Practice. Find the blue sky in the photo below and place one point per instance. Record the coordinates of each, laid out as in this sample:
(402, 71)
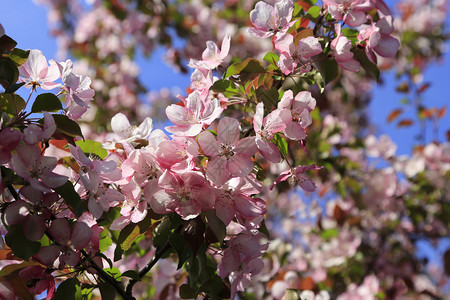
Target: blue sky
(27, 24)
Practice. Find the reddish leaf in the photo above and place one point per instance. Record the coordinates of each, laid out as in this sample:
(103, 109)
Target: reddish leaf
(394, 114)
(405, 123)
(304, 5)
(307, 283)
(339, 215)
(427, 113)
(441, 112)
(403, 88)
(446, 259)
(424, 87)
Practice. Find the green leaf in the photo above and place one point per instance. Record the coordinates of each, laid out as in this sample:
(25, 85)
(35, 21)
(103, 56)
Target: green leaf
(9, 74)
(67, 289)
(329, 233)
(131, 274)
(107, 291)
(186, 292)
(350, 33)
(71, 197)
(248, 69)
(178, 242)
(281, 144)
(226, 87)
(46, 102)
(161, 233)
(215, 224)
(13, 87)
(313, 13)
(263, 229)
(114, 273)
(327, 67)
(368, 66)
(105, 241)
(20, 245)
(67, 126)
(92, 147)
(19, 56)
(12, 104)
(130, 235)
(6, 44)
(268, 97)
(271, 57)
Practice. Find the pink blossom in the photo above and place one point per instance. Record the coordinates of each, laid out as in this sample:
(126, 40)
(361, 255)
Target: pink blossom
(100, 198)
(39, 280)
(351, 11)
(78, 90)
(377, 39)
(177, 154)
(266, 128)
(212, 56)
(68, 240)
(341, 46)
(296, 176)
(35, 133)
(300, 107)
(201, 81)
(292, 54)
(29, 163)
(10, 138)
(229, 155)
(241, 260)
(36, 71)
(187, 194)
(234, 200)
(190, 118)
(126, 133)
(366, 291)
(270, 20)
(31, 211)
(105, 169)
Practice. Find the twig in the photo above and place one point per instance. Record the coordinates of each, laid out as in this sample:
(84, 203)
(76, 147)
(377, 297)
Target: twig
(105, 276)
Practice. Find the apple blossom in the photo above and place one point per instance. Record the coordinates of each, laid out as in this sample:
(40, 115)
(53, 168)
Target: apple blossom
(187, 194)
(36, 71)
(212, 57)
(68, 240)
(292, 54)
(266, 128)
(39, 279)
(126, 133)
(351, 11)
(270, 20)
(34, 133)
(229, 155)
(377, 39)
(234, 200)
(300, 107)
(295, 176)
(36, 169)
(77, 88)
(190, 118)
(10, 138)
(341, 46)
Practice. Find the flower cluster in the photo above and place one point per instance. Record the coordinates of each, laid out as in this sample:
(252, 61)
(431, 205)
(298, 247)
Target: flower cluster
(90, 212)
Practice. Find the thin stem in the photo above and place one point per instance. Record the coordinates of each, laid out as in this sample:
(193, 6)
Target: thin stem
(105, 276)
(13, 192)
(149, 266)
